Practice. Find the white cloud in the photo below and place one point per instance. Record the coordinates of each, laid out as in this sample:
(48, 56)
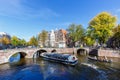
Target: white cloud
(17, 9)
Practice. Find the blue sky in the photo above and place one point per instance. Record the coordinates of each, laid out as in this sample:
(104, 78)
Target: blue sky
(25, 18)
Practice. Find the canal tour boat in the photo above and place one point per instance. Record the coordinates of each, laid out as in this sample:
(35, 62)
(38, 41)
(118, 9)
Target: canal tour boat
(63, 58)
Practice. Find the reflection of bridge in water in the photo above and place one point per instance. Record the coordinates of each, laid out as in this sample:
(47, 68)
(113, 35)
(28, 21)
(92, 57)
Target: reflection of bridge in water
(32, 52)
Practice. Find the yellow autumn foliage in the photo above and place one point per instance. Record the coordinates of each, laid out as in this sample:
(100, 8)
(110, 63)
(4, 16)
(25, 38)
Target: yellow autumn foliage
(101, 26)
(5, 40)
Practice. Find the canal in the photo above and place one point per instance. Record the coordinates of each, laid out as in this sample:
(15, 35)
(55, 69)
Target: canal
(39, 69)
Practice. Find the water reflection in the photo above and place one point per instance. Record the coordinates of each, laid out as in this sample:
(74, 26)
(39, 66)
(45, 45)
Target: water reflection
(39, 69)
(20, 62)
(14, 58)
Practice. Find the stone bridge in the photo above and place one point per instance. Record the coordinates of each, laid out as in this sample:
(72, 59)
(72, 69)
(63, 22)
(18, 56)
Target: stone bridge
(30, 52)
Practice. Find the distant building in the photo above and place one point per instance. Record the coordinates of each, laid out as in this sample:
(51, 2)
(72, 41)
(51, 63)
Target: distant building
(2, 34)
(56, 38)
(51, 37)
(61, 38)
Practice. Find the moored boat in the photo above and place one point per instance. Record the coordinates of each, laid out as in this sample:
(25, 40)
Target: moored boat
(63, 58)
(101, 60)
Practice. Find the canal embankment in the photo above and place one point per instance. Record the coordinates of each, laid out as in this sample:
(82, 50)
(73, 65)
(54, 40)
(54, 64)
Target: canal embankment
(109, 53)
(105, 52)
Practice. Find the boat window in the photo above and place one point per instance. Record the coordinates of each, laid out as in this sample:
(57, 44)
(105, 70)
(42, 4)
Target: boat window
(58, 56)
(73, 58)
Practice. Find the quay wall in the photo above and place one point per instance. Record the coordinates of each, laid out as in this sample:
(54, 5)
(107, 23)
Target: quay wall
(109, 53)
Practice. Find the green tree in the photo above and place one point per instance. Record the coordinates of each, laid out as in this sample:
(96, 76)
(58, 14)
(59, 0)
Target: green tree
(101, 27)
(76, 33)
(42, 37)
(22, 42)
(15, 41)
(89, 41)
(33, 41)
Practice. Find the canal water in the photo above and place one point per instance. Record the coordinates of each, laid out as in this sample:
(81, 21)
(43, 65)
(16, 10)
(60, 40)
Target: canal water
(39, 69)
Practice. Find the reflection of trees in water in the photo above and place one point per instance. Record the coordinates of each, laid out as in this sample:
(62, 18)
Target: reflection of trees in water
(82, 58)
(21, 62)
(14, 58)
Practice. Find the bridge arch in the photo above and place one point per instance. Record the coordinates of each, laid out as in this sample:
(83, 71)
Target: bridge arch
(21, 55)
(54, 50)
(82, 51)
(38, 52)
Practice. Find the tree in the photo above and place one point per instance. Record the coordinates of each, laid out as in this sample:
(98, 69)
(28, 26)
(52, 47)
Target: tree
(42, 37)
(15, 41)
(116, 29)
(22, 42)
(5, 40)
(76, 33)
(89, 41)
(101, 27)
(33, 41)
(114, 41)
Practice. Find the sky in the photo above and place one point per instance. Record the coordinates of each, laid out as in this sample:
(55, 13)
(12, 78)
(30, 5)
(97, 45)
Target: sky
(26, 18)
